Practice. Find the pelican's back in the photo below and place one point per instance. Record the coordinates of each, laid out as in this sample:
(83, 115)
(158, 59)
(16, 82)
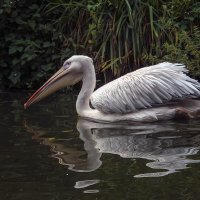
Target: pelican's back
(145, 88)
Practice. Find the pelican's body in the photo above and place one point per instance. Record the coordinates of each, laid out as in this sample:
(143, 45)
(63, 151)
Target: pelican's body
(152, 93)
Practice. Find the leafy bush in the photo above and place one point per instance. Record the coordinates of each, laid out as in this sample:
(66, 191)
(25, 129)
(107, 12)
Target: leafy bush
(182, 24)
(29, 43)
(115, 32)
(121, 36)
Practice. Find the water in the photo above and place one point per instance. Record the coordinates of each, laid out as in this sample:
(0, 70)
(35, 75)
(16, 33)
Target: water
(47, 152)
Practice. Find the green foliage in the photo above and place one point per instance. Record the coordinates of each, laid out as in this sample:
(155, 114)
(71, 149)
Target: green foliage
(29, 44)
(116, 33)
(121, 36)
(185, 50)
(183, 27)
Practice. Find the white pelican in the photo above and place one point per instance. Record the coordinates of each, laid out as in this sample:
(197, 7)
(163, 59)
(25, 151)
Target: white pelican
(158, 92)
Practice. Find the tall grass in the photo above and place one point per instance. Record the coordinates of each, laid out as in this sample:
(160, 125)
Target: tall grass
(118, 34)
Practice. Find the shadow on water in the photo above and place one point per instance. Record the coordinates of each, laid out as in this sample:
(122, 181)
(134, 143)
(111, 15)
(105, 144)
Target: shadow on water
(58, 154)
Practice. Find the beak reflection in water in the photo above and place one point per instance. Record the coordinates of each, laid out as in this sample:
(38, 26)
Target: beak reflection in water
(163, 152)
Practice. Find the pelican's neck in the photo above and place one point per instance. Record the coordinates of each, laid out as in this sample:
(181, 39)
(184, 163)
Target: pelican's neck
(89, 82)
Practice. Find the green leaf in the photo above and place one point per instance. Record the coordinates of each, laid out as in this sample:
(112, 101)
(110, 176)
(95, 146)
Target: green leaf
(20, 49)
(34, 7)
(19, 21)
(47, 67)
(32, 24)
(15, 61)
(12, 50)
(14, 77)
(46, 44)
(55, 57)
(31, 57)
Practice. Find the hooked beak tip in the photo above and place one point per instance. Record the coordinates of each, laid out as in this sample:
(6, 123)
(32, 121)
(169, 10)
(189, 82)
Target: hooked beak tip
(25, 106)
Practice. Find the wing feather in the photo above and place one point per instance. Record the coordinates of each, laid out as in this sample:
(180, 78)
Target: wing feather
(145, 88)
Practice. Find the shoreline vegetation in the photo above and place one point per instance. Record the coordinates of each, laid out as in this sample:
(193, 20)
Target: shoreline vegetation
(120, 35)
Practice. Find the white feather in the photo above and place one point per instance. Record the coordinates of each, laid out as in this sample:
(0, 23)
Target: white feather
(144, 88)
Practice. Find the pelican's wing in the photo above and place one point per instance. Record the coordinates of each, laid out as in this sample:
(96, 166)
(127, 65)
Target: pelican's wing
(146, 87)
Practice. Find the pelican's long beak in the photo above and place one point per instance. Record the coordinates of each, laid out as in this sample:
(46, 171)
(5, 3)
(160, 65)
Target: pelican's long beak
(62, 78)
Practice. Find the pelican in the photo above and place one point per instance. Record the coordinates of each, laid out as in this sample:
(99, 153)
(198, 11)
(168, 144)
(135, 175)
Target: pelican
(153, 93)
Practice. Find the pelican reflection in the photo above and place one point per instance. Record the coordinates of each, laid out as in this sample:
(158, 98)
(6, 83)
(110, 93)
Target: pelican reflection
(165, 149)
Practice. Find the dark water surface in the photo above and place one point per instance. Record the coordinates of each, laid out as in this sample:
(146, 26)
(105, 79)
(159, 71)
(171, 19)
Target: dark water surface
(46, 152)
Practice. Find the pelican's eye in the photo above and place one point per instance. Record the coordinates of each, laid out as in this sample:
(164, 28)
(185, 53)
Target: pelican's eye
(66, 65)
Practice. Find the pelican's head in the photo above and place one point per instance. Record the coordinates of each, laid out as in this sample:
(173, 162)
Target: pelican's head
(70, 73)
